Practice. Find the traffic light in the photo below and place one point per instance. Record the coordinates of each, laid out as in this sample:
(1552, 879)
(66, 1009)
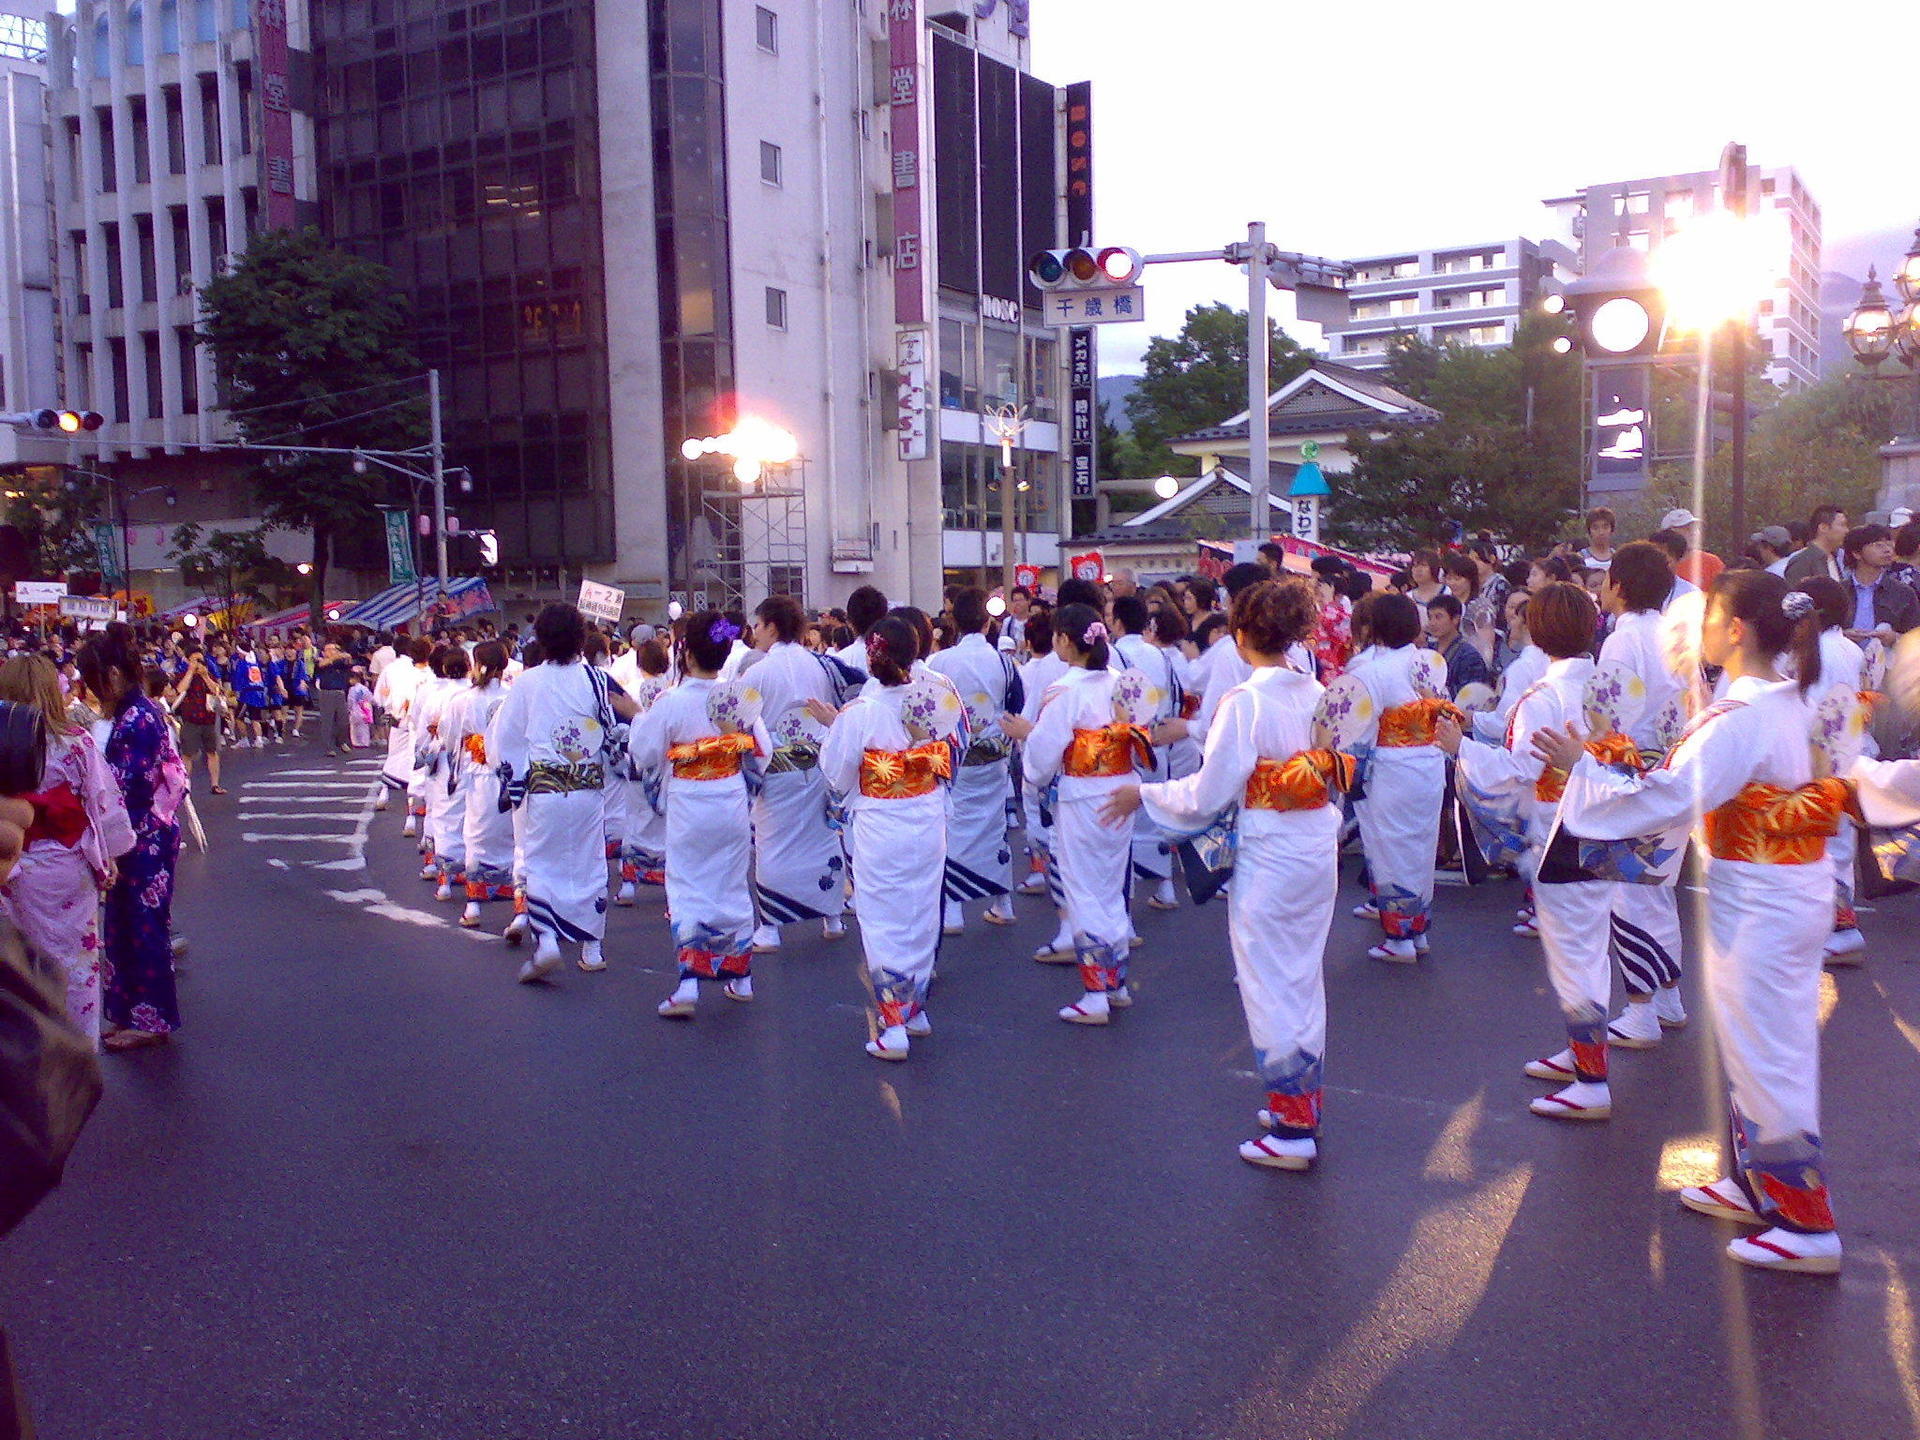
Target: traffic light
(1618, 311)
(1085, 267)
(68, 422)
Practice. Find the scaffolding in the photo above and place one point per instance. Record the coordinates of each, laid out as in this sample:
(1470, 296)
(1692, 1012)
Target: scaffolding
(755, 540)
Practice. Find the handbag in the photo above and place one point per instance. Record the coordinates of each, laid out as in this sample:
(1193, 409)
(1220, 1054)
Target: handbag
(49, 1082)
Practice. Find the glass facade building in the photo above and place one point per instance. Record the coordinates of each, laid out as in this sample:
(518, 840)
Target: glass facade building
(459, 146)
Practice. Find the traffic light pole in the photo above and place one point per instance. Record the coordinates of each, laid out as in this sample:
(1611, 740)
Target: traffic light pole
(1258, 421)
(439, 483)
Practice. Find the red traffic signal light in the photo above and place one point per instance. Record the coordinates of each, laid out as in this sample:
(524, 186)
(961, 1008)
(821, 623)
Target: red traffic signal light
(1111, 267)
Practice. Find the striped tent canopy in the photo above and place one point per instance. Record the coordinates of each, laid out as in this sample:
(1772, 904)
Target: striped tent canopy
(205, 604)
(401, 604)
(282, 619)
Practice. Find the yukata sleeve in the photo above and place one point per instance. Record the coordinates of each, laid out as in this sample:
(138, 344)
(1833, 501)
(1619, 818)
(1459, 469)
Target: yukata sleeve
(846, 742)
(1047, 745)
(1502, 776)
(1889, 792)
(106, 807)
(1703, 774)
(646, 739)
(1231, 754)
(509, 751)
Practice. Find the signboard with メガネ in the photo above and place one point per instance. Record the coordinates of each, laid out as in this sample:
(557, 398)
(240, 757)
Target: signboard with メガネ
(601, 602)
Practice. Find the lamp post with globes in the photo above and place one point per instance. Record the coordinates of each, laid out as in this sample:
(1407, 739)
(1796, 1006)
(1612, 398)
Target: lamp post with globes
(1875, 329)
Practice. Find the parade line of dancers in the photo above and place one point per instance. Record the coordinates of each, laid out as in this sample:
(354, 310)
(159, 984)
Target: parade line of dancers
(766, 784)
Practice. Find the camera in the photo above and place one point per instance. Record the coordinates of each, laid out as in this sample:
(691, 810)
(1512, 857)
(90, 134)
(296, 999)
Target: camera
(23, 748)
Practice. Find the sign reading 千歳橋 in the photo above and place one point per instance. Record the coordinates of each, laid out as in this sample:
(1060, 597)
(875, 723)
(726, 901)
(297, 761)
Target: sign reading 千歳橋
(601, 602)
(276, 112)
(400, 569)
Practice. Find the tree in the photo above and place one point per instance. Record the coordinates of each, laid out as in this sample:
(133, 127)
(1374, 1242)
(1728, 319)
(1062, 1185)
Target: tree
(1504, 456)
(1196, 379)
(311, 345)
(233, 565)
(54, 509)
(1816, 446)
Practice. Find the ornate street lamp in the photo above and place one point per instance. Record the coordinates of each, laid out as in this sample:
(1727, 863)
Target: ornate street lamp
(1869, 327)
(1875, 329)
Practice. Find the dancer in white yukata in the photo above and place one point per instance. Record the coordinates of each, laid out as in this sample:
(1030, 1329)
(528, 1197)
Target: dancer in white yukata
(1041, 670)
(1262, 756)
(1510, 792)
(643, 849)
(552, 736)
(446, 821)
(799, 873)
(886, 757)
(1093, 750)
(1399, 691)
(1843, 667)
(1648, 701)
(1744, 772)
(393, 692)
(696, 744)
(486, 831)
(979, 856)
(1152, 854)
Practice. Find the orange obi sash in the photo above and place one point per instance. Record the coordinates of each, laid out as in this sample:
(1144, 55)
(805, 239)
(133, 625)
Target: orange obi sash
(1613, 749)
(1300, 782)
(1413, 723)
(1111, 750)
(1770, 825)
(905, 774)
(713, 757)
(476, 748)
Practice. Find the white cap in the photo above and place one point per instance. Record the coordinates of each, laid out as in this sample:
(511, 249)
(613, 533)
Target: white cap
(1678, 519)
(1901, 516)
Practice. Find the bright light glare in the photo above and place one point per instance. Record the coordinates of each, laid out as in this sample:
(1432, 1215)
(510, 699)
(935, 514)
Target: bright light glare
(1166, 487)
(996, 607)
(1554, 304)
(69, 421)
(1719, 267)
(752, 444)
(693, 449)
(1620, 325)
(1562, 345)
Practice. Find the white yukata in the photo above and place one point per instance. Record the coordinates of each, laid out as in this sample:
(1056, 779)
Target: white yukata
(643, 848)
(1280, 900)
(1405, 784)
(1506, 785)
(393, 692)
(1152, 855)
(1644, 923)
(1769, 911)
(1078, 741)
(486, 830)
(1035, 677)
(896, 834)
(798, 870)
(616, 797)
(701, 774)
(550, 735)
(1843, 666)
(444, 827)
(979, 862)
(1526, 667)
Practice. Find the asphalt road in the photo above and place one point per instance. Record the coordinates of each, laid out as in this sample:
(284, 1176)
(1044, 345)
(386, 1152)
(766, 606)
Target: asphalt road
(378, 1190)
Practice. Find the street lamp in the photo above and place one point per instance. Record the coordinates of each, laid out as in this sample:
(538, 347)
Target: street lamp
(1875, 329)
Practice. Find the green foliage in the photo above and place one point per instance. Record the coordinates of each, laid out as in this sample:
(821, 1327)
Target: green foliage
(1196, 379)
(233, 565)
(54, 508)
(311, 345)
(1816, 446)
(1504, 456)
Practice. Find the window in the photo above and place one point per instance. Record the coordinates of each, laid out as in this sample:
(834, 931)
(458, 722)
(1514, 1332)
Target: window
(210, 120)
(206, 21)
(176, 130)
(156, 387)
(776, 308)
(102, 48)
(169, 27)
(134, 39)
(116, 295)
(149, 267)
(769, 162)
(109, 178)
(766, 29)
(189, 374)
(137, 113)
(1365, 345)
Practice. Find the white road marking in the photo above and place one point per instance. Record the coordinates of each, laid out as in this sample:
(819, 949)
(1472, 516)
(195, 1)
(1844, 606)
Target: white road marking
(253, 838)
(375, 902)
(304, 785)
(278, 863)
(334, 815)
(357, 859)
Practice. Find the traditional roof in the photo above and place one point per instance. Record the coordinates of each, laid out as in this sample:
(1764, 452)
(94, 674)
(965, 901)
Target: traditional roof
(1325, 398)
(1223, 490)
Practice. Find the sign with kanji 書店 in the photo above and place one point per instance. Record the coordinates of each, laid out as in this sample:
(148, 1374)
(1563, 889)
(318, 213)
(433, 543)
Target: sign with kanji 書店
(903, 140)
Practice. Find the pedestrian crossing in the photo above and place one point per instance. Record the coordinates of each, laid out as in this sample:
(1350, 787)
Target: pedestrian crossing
(312, 818)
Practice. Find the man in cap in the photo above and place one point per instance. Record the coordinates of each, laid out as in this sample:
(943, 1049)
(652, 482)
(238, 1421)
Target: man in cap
(1770, 546)
(1697, 565)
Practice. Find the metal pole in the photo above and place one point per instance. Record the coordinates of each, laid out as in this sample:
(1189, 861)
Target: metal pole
(1261, 521)
(126, 550)
(439, 485)
(1737, 488)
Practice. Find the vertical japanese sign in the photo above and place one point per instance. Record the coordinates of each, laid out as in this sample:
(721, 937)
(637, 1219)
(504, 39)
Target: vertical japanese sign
(910, 356)
(276, 113)
(399, 549)
(1082, 360)
(1080, 426)
(903, 143)
(106, 551)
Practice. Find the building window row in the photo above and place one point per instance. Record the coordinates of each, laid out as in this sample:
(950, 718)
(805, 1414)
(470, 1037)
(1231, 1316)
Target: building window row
(766, 29)
(133, 46)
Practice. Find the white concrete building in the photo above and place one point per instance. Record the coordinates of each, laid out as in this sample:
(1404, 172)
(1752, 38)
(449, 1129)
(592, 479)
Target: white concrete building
(29, 377)
(1469, 295)
(1643, 213)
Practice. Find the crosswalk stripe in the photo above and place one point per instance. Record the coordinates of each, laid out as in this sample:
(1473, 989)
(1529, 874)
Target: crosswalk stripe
(254, 839)
(333, 815)
(360, 785)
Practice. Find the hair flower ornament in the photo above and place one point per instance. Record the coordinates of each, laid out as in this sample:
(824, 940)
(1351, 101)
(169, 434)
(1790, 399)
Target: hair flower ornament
(1798, 604)
(723, 629)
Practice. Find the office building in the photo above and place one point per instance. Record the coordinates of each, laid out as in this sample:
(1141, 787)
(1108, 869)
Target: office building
(1643, 213)
(1467, 295)
(28, 367)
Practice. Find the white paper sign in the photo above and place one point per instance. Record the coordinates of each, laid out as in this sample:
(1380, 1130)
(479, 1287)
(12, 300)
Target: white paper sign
(38, 592)
(601, 602)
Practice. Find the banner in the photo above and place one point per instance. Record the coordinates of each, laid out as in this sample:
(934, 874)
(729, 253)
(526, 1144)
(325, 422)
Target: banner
(1090, 566)
(272, 59)
(38, 592)
(400, 569)
(903, 140)
(106, 550)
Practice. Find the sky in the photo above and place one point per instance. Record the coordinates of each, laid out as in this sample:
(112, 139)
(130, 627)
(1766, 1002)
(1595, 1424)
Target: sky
(1355, 130)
